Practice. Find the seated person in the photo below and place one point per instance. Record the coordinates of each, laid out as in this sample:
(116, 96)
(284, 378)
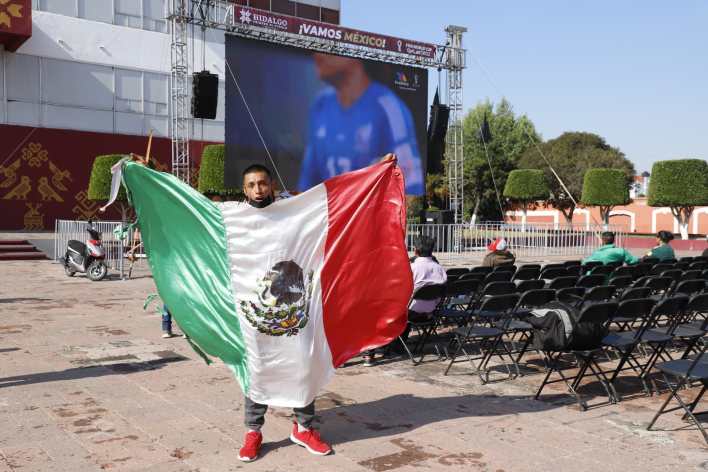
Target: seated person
(426, 271)
(609, 253)
(662, 251)
(498, 254)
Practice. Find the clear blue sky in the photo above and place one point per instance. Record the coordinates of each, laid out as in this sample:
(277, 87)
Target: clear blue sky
(634, 72)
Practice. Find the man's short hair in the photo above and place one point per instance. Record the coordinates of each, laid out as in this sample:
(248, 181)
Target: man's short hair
(253, 168)
(424, 245)
(608, 237)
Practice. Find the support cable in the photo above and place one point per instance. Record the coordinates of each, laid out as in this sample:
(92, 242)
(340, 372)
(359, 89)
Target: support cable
(255, 124)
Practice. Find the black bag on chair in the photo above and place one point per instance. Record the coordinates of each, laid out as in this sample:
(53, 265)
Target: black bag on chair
(556, 328)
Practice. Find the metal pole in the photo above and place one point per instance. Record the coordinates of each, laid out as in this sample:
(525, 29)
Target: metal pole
(455, 61)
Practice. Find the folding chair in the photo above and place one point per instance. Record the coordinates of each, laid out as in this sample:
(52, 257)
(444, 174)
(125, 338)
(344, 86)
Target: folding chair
(659, 286)
(597, 314)
(518, 326)
(497, 277)
(574, 271)
(459, 297)
(530, 266)
(526, 285)
(626, 342)
(689, 287)
(505, 268)
(641, 269)
(570, 295)
(628, 313)
(691, 274)
(634, 293)
(456, 271)
(684, 372)
(620, 282)
(657, 269)
(572, 263)
(695, 324)
(615, 264)
(527, 273)
(699, 265)
(589, 266)
(550, 273)
(481, 270)
(601, 293)
(603, 270)
(674, 274)
(623, 271)
(590, 281)
(488, 339)
(687, 259)
(423, 323)
(471, 276)
(650, 260)
(562, 282)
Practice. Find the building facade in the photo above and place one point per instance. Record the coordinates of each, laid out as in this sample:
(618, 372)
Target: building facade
(81, 78)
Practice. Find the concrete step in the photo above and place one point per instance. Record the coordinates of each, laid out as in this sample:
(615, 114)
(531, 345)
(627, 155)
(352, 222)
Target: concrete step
(17, 248)
(21, 256)
(13, 242)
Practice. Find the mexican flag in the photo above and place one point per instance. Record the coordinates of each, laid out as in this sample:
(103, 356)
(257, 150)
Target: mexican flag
(283, 294)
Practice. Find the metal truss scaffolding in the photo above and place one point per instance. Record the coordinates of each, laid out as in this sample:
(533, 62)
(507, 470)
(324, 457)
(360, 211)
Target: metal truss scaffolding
(220, 14)
(179, 91)
(454, 152)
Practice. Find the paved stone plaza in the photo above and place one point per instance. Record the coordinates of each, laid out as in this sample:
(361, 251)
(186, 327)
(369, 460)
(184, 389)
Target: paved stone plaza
(87, 383)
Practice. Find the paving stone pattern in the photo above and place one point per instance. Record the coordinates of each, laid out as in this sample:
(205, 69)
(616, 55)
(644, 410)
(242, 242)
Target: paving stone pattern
(88, 384)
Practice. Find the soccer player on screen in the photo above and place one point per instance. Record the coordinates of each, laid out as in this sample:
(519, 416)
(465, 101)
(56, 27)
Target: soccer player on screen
(355, 122)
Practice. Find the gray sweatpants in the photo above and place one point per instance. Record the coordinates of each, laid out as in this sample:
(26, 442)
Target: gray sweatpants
(254, 414)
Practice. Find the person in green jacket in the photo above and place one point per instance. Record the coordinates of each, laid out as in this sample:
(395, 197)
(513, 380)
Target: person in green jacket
(608, 252)
(663, 251)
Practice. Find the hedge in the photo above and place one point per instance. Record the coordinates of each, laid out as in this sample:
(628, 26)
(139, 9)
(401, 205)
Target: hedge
(211, 172)
(100, 180)
(681, 182)
(605, 187)
(526, 185)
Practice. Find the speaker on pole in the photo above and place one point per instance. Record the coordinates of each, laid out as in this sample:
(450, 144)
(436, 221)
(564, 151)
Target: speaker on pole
(205, 94)
(437, 130)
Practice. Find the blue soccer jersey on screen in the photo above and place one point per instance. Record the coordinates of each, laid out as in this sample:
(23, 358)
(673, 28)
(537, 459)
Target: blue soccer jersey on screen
(344, 139)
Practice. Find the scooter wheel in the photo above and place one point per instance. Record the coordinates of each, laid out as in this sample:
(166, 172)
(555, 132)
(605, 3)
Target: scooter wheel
(68, 271)
(97, 270)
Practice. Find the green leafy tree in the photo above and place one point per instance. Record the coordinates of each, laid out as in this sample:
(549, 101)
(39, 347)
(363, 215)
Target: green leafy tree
(525, 186)
(436, 190)
(605, 188)
(571, 155)
(680, 184)
(507, 137)
(100, 183)
(211, 173)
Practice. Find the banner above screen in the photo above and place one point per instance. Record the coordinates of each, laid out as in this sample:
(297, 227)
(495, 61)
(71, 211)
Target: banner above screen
(264, 19)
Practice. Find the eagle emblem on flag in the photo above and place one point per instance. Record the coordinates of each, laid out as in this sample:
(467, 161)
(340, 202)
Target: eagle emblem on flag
(283, 301)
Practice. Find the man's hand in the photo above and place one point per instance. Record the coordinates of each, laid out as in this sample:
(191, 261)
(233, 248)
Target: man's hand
(389, 157)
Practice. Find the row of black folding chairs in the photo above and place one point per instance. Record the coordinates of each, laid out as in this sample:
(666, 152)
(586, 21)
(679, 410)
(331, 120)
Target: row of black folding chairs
(677, 322)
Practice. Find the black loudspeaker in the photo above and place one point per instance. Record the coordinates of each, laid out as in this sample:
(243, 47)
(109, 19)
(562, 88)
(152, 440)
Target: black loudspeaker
(438, 217)
(437, 130)
(205, 94)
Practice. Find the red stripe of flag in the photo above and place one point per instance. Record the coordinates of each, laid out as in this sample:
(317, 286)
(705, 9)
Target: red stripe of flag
(366, 277)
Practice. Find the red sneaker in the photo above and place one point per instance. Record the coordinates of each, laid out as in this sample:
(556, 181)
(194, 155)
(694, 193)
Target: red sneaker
(251, 446)
(310, 440)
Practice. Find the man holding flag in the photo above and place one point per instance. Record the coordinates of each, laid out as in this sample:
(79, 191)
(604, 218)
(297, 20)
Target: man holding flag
(285, 291)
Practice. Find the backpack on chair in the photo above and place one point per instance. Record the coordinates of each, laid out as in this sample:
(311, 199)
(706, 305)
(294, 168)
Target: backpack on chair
(556, 328)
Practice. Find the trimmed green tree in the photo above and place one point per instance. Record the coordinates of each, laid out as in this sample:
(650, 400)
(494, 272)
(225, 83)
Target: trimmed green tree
(571, 155)
(100, 183)
(211, 173)
(525, 186)
(605, 188)
(681, 185)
